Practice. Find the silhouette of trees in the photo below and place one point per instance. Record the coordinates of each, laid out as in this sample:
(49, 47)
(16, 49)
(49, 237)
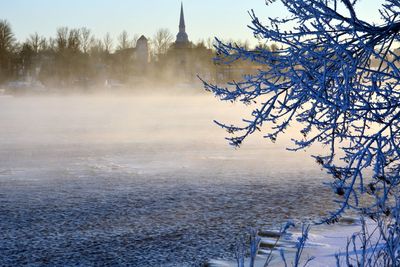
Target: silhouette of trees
(123, 41)
(85, 39)
(36, 42)
(108, 43)
(67, 57)
(61, 38)
(162, 41)
(6, 36)
(6, 46)
(74, 57)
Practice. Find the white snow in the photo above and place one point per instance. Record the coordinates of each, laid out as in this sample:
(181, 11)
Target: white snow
(323, 243)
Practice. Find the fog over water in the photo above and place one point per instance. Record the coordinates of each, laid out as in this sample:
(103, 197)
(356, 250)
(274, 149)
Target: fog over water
(140, 180)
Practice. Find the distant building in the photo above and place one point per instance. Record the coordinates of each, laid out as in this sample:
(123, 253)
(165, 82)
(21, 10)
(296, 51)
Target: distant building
(142, 50)
(183, 61)
(141, 57)
(182, 39)
(181, 50)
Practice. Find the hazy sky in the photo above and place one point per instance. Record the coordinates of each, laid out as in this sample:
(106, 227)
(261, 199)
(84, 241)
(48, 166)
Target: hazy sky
(204, 18)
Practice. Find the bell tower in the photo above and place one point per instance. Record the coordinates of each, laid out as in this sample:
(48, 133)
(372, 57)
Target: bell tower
(182, 38)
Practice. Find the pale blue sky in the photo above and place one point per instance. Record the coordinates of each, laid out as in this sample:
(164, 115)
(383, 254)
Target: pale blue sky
(204, 18)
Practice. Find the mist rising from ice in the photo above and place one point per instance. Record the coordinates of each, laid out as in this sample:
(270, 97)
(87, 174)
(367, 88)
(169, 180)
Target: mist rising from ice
(140, 179)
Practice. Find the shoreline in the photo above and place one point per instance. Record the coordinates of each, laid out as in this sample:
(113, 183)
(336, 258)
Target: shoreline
(323, 243)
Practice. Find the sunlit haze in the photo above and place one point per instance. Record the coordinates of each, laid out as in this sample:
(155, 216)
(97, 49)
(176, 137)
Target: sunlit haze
(130, 136)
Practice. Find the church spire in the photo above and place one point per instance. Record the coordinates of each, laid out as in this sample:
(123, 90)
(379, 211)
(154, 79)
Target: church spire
(182, 37)
(182, 20)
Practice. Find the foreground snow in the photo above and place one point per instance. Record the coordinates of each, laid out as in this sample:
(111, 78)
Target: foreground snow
(323, 243)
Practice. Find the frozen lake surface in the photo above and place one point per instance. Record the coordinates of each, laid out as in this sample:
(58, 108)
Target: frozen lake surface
(139, 181)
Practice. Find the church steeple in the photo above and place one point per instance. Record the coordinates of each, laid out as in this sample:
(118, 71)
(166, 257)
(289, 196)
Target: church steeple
(182, 37)
(182, 21)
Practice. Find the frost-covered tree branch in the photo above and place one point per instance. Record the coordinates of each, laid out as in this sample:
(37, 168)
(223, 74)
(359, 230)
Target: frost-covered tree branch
(338, 77)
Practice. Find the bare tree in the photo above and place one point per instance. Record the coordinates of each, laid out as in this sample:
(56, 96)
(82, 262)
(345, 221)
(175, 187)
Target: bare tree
(123, 41)
(37, 43)
(51, 44)
(108, 43)
(85, 35)
(162, 41)
(6, 46)
(96, 46)
(6, 36)
(34, 42)
(210, 42)
(62, 38)
(74, 40)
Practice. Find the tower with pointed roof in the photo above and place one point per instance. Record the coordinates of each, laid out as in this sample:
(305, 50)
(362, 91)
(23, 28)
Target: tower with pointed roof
(182, 38)
(142, 54)
(142, 49)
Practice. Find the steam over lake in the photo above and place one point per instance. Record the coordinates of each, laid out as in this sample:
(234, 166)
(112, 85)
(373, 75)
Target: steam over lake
(140, 181)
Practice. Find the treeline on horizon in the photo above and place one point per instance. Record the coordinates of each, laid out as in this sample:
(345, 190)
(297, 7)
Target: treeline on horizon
(75, 57)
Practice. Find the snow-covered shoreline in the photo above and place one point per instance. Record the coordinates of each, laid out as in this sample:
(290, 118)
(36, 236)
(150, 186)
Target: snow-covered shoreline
(323, 243)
